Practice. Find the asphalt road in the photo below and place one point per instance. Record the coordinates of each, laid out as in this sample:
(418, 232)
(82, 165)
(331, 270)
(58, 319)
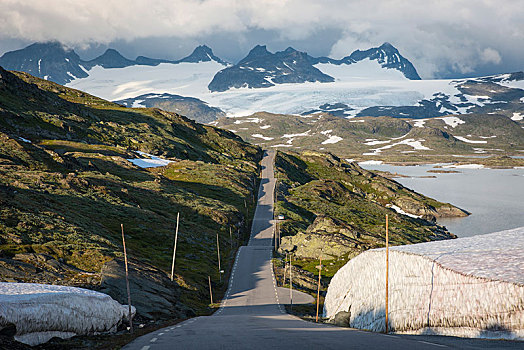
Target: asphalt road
(251, 315)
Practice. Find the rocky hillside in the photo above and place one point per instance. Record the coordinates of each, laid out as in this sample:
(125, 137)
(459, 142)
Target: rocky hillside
(190, 107)
(335, 210)
(385, 138)
(73, 168)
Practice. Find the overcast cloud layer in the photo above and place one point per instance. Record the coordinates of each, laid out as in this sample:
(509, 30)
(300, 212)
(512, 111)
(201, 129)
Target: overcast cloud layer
(442, 38)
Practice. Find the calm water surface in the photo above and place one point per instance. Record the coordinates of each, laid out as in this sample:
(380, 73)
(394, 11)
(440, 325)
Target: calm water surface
(494, 197)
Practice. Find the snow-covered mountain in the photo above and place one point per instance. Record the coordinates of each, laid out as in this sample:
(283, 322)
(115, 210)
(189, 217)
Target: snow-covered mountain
(374, 82)
(49, 61)
(52, 61)
(386, 55)
(261, 68)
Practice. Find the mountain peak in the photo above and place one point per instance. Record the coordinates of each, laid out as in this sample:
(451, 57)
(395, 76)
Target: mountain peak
(111, 58)
(47, 60)
(388, 46)
(258, 50)
(201, 53)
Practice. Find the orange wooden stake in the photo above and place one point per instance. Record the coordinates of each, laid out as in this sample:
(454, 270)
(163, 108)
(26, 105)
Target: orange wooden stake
(127, 281)
(387, 271)
(318, 290)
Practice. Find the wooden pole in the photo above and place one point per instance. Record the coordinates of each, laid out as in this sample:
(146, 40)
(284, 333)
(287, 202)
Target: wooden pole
(387, 270)
(285, 269)
(230, 237)
(290, 283)
(275, 235)
(218, 254)
(127, 281)
(278, 233)
(174, 248)
(210, 291)
(318, 290)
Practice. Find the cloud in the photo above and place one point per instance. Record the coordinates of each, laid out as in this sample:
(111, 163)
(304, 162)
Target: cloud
(490, 55)
(440, 37)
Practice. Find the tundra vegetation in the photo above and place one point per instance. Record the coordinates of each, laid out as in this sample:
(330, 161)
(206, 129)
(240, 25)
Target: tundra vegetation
(334, 209)
(67, 183)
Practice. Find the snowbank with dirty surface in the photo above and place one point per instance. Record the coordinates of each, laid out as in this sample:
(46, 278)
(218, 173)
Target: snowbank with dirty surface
(41, 312)
(470, 287)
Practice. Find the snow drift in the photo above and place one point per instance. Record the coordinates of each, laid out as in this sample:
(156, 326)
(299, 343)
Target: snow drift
(41, 312)
(470, 287)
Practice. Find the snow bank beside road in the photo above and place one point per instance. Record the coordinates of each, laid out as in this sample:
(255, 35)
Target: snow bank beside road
(471, 287)
(41, 312)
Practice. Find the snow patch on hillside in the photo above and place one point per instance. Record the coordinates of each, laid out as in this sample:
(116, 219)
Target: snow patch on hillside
(416, 144)
(400, 211)
(452, 121)
(41, 312)
(260, 136)
(332, 139)
(461, 138)
(150, 162)
(517, 116)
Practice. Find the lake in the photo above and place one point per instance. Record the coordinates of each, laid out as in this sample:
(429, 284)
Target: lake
(494, 197)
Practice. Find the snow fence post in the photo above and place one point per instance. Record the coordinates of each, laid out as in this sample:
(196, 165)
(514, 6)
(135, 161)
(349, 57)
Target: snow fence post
(387, 270)
(218, 256)
(210, 291)
(127, 281)
(174, 249)
(318, 290)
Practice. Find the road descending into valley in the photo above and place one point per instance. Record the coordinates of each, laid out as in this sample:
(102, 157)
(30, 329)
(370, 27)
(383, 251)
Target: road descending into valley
(251, 315)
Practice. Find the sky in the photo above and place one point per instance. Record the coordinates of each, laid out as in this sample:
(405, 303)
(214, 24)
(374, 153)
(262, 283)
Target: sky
(442, 38)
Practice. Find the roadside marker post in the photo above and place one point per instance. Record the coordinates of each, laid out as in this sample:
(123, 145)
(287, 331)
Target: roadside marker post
(218, 254)
(290, 283)
(319, 267)
(127, 281)
(387, 271)
(210, 291)
(174, 248)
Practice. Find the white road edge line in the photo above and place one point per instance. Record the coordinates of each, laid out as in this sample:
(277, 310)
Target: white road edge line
(427, 342)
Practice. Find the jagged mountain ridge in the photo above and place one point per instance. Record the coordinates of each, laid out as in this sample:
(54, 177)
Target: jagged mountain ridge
(52, 61)
(261, 68)
(386, 54)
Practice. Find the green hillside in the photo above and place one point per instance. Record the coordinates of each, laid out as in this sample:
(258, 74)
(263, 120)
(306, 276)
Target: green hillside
(336, 210)
(66, 186)
(387, 139)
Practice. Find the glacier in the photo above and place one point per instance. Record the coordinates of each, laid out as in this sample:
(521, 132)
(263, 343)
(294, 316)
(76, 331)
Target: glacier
(41, 312)
(468, 287)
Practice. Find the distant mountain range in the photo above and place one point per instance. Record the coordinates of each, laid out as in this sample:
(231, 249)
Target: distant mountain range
(260, 68)
(375, 82)
(52, 61)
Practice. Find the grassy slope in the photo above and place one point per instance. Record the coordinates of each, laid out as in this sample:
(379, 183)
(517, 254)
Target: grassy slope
(313, 185)
(355, 133)
(66, 193)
